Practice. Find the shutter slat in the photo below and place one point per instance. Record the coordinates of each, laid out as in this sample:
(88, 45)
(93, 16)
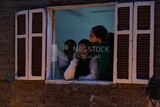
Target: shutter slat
(143, 56)
(21, 24)
(36, 56)
(21, 59)
(37, 22)
(122, 56)
(21, 44)
(123, 18)
(143, 17)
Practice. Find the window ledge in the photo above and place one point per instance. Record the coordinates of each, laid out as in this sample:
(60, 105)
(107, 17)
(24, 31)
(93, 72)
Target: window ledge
(85, 82)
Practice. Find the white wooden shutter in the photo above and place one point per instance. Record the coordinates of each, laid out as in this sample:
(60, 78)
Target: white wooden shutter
(143, 41)
(123, 43)
(37, 37)
(21, 47)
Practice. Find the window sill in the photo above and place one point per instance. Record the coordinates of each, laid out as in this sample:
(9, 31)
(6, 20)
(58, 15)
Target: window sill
(84, 82)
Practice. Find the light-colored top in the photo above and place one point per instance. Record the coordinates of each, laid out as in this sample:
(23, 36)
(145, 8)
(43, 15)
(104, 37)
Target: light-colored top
(62, 61)
(70, 71)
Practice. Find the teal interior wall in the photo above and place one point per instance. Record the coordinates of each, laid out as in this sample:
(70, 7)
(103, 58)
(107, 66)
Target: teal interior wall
(76, 23)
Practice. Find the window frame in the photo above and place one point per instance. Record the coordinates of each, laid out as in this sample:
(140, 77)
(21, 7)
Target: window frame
(51, 34)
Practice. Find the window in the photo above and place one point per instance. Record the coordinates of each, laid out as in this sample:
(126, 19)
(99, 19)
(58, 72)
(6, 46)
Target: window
(75, 23)
(37, 32)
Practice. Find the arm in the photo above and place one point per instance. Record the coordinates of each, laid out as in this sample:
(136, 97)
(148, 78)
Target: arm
(70, 71)
(93, 70)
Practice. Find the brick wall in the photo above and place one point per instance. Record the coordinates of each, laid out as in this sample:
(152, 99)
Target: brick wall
(157, 39)
(37, 93)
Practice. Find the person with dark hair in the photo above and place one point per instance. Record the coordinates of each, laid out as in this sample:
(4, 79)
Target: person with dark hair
(101, 39)
(69, 48)
(64, 61)
(84, 65)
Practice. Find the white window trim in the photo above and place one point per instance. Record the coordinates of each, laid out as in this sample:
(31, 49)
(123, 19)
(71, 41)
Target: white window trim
(129, 32)
(26, 40)
(96, 82)
(49, 45)
(80, 6)
(51, 39)
(43, 35)
(151, 32)
(54, 44)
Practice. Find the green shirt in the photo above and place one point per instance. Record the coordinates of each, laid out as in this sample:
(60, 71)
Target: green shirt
(105, 61)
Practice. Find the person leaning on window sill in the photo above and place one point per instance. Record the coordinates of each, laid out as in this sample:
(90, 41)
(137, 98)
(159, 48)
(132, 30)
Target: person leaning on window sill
(84, 65)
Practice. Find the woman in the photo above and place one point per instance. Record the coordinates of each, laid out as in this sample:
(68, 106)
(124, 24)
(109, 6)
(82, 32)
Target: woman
(100, 38)
(83, 66)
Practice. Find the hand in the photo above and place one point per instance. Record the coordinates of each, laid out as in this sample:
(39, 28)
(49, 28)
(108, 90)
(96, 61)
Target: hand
(75, 55)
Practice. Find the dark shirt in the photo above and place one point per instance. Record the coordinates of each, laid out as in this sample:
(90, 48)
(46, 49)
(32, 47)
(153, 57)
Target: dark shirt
(82, 68)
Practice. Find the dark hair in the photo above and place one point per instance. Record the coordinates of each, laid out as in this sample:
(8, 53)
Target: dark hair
(100, 32)
(70, 42)
(85, 41)
(70, 45)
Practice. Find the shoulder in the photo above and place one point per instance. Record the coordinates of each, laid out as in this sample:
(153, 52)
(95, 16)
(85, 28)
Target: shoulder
(94, 58)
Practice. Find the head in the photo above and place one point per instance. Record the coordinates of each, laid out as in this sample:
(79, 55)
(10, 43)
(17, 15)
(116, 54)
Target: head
(83, 48)
(69, 47)
(98, 34)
